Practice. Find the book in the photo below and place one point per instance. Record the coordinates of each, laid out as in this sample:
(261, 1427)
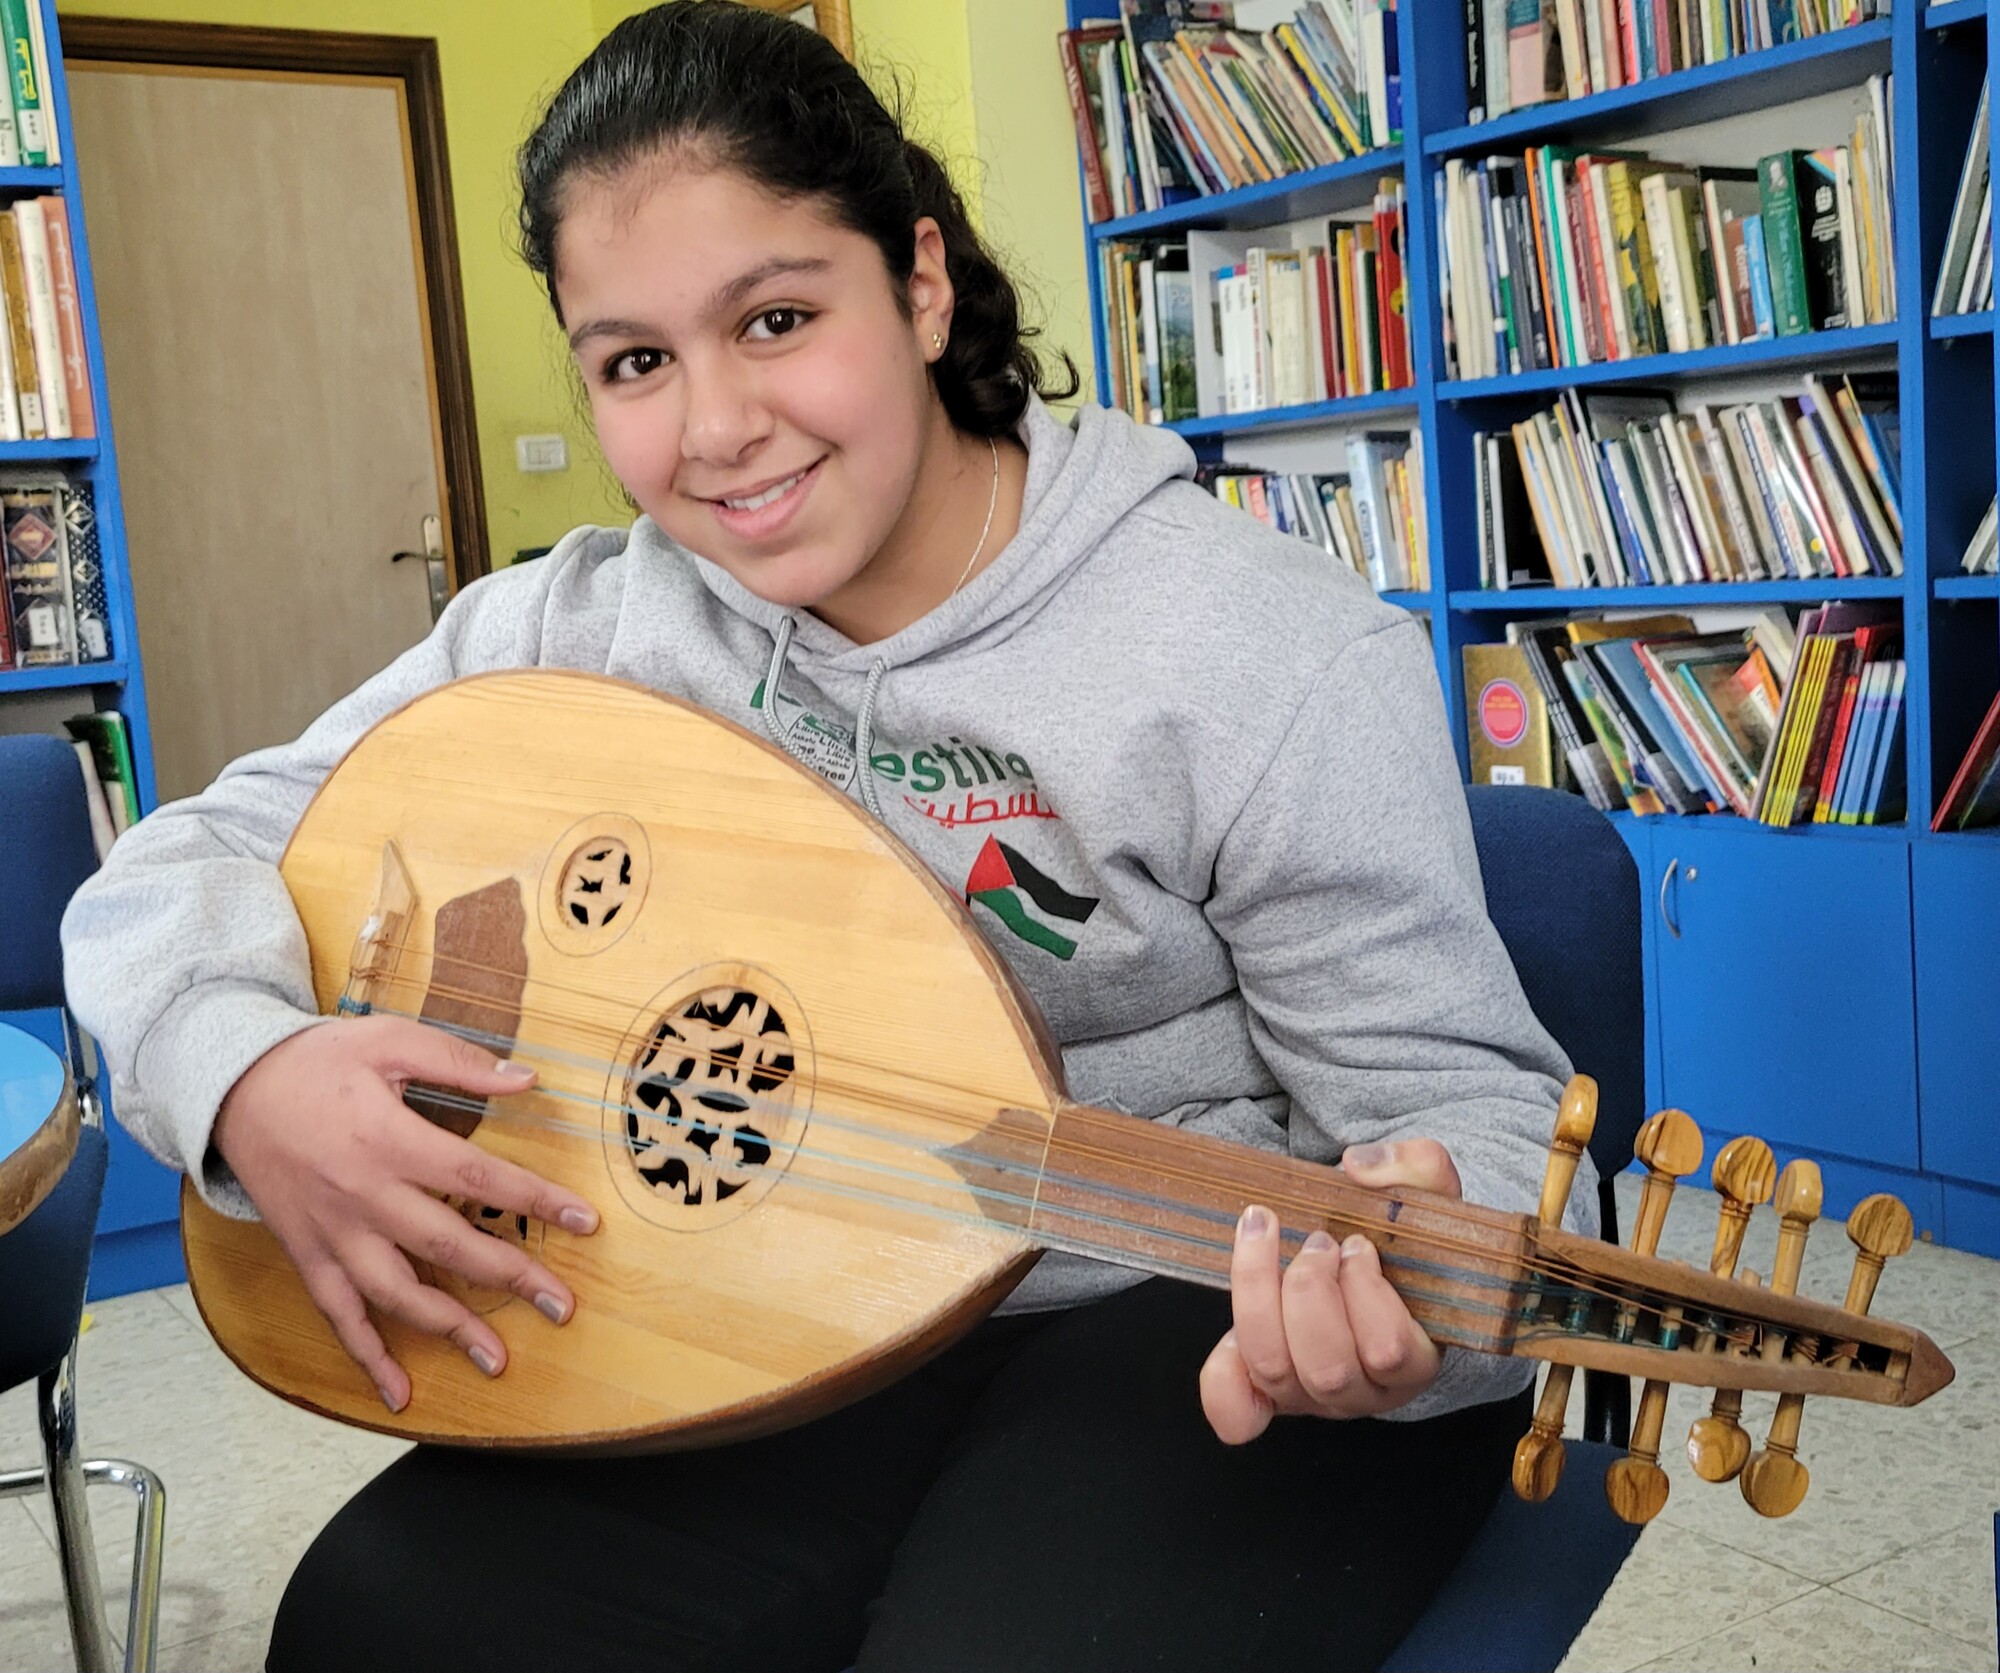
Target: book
(102, 832)
(1784, 242)
(69, 317)
(20, 333)
(25, 79)
(1086, 102)
(76, 507)
(38, 593)
(1974, 186)
(1507, 720)
(1886, 798)
(110, 742)
(1822, 243)
(44, 330)
(1973, 772)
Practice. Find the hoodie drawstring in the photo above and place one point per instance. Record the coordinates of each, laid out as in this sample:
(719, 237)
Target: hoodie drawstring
(864, 724)
(779, 651)
(864, 737)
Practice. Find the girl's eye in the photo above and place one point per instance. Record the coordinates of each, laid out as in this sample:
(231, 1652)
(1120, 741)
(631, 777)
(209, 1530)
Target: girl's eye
(775, 322)
(633, 364)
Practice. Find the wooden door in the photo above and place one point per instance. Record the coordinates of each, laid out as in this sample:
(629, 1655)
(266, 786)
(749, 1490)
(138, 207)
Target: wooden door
(268, 348)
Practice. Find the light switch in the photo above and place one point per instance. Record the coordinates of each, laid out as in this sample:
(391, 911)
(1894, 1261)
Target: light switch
(541, 453)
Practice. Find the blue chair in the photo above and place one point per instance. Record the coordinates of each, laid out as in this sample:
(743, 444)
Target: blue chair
(44, 1261)
(1563, 891)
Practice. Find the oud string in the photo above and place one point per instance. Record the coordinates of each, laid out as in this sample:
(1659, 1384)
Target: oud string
(1567, 1285)
(696, 1091)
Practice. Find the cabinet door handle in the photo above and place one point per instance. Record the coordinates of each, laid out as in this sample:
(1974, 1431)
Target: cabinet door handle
(1666, 878)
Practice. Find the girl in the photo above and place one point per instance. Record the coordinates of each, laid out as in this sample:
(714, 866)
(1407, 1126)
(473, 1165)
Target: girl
(865, 534)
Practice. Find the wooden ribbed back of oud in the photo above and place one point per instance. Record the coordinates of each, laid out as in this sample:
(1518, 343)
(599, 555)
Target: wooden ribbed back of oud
(748, 871)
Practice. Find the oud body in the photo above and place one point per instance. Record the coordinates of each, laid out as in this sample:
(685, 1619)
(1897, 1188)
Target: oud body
(823, 1125)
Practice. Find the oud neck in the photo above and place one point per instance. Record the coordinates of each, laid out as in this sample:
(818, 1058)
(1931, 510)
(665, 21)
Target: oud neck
(1165, 1201)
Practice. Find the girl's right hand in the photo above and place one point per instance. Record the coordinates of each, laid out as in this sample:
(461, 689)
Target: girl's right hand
(343, 1172)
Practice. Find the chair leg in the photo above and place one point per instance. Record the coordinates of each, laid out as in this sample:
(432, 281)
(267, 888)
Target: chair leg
(74, 1545)
(142, 1617)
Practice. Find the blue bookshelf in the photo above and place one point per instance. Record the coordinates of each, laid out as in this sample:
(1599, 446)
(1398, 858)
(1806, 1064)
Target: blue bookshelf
(138, 1240)
(1816, 348)
(1297, 418)
(1825, 986)
(1963, 325)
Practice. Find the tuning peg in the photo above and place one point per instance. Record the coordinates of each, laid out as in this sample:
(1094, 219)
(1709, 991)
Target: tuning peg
(1775, 1481)
(1538, 1459)
(1745, 1172)
(1670, 1146)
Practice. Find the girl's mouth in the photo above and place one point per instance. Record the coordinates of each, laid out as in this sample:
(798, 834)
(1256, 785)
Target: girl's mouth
(763, 513)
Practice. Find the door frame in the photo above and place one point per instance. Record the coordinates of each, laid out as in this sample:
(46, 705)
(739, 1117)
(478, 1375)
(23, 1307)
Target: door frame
(412, 60)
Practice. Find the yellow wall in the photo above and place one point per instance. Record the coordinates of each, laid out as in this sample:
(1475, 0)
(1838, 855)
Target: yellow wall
(984, 90)
(1027, 159)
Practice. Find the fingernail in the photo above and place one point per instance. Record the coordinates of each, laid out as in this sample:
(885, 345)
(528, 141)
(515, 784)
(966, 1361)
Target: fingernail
(550, 1306)
(1366, 1155)
(1256, 1223)
(388, 1399)
(1318, 1243)
(484, 1360)
(507, 1069)
(1355, 1245)
(578, 1220)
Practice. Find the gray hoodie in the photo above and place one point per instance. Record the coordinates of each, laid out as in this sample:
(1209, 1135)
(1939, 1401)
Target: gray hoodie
(1193, 779)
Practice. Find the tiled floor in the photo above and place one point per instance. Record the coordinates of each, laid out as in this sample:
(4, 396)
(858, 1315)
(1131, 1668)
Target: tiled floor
(1889, 1563)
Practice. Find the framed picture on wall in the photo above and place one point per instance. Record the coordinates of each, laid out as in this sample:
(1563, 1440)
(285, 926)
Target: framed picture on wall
(829, 17)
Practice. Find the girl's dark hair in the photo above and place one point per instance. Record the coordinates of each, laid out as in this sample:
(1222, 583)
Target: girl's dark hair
(755, 92)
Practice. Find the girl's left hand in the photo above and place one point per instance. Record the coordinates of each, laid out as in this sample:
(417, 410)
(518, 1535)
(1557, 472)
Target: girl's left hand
(1327, 1337)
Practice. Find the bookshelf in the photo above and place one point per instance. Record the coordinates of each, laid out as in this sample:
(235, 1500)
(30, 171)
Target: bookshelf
(1825, 986)
(138, 1232)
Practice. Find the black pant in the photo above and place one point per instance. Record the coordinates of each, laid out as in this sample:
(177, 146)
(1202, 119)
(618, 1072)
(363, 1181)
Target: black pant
(1045, 1496)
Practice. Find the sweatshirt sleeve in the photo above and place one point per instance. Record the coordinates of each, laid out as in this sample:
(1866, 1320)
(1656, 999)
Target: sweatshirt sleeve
(1378, 990)
(183, 955)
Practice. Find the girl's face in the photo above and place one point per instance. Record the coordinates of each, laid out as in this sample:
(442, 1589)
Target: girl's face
(754, 384)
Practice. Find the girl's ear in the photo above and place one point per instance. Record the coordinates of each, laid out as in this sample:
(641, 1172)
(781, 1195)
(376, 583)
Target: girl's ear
(931, 295)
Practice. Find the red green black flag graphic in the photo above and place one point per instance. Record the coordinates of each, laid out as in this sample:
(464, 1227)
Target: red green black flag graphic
(1032, 904)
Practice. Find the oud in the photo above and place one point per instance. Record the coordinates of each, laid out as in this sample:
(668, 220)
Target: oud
(827, 1133)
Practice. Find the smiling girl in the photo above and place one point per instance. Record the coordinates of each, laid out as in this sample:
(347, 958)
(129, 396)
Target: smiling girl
(1196, 786)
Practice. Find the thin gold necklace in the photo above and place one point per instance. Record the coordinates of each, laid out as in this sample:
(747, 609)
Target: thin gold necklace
(992, 500)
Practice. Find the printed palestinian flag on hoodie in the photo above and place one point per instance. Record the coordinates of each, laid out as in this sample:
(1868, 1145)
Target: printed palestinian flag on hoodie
(1029, 902)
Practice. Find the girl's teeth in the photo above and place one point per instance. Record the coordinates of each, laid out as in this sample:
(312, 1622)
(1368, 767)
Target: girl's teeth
(765, 498)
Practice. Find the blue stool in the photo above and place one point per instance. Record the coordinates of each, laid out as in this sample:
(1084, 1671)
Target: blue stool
(45, 1260)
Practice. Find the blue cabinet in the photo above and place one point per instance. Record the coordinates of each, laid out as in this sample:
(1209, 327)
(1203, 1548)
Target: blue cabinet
(1955, 891)
(1784, 999)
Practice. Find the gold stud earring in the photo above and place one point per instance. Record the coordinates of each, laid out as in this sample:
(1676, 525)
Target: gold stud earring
(937, 340)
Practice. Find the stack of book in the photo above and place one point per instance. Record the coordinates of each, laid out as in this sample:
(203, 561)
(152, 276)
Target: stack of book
(1982, 552)
(1625, 490)
(1974, 796)
(1965, 275)
(110, 783)
(1317, 322)
(1785, 725)
(27, 123)
(1149, 328)
(1173, 101)
(1563, 257)
(1521, 54)
(44, 376)
(1371, 517)
(53, 611)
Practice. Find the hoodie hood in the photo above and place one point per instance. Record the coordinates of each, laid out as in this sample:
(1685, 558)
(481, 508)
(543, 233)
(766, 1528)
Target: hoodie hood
(1081, 482)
